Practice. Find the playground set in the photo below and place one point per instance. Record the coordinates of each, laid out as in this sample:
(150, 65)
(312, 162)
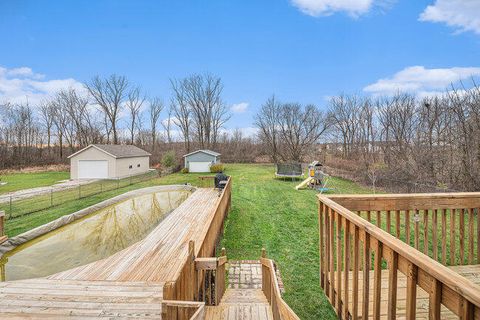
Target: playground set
(317, 179)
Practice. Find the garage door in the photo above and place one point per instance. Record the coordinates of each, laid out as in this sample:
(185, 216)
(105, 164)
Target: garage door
(199, 167)
(92, 169)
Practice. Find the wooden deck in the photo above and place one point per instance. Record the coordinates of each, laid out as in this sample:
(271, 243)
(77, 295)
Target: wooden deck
(161, 255)
(471, 272)
(44, 298)
(241, 304)
(127, 284)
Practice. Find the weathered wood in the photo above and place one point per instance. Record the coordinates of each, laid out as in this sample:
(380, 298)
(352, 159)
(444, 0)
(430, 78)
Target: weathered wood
(321, 208)
(366, 274)
(434, 234)
(377, 280)
(346, 267)
(435, 300)
(409, 201)
(411, 291)
(332, 260)
(389, 221)
(452, 236)
(397, 223)
(425, 231)
(444, 236)
(339, 263)
(407, 227)
(471, 242)
(392, 286)
(416, 227)
(438, 284)
(462, 236)
(356, 270)
(280, 308)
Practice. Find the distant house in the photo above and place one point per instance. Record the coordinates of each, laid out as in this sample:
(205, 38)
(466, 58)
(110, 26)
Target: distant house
(107, 161)
(201, 160)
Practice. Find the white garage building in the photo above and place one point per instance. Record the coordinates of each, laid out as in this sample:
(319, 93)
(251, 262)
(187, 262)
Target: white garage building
(108, 161)
(201, 160)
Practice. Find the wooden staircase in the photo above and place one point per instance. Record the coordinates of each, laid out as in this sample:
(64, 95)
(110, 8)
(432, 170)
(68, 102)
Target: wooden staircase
(241, 304)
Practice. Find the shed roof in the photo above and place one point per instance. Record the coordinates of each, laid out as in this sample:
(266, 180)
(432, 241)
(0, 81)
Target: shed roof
(210, 152)
(117, 150)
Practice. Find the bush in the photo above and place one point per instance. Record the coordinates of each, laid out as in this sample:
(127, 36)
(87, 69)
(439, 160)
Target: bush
(168, 159)
(184, 170)
(219, 167)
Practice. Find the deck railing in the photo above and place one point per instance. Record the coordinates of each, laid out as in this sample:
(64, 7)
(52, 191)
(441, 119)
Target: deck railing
(211, 276)
(188, 310)
(351, 246)
(280, 309)
(443, 226)
(189, 284)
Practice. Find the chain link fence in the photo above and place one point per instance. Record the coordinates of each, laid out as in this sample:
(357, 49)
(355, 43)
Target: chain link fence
(20, 205)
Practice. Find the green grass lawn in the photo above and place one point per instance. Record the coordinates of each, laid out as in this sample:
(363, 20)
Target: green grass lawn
(20, 181)
(266, 212)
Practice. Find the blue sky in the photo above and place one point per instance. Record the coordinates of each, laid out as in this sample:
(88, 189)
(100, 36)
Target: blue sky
(300, 50)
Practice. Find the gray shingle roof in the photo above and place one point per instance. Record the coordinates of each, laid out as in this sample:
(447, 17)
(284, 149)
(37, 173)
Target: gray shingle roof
(213, 153)
(122, 150)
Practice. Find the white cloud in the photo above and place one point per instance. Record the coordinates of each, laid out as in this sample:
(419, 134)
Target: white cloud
(18, 85)
(418, 79)
(239, 107)
(318, 8)
(463, 15)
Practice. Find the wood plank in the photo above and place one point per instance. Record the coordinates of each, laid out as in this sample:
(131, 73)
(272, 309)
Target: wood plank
(356, 271)
(452, 236)
(392, 286)
(346, 268)
(377, 280)
(435, 234)
(366, 274)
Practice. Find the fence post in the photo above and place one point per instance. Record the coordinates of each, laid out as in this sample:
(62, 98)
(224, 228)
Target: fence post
(3, 237)
(10, 209)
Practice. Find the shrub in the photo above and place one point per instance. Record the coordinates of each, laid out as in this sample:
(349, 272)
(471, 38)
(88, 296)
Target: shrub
(184, 170)
(168, 159)
(219, 167)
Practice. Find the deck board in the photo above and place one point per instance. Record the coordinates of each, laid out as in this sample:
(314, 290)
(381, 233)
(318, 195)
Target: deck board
(128, 284)
(39, 298)
(471, 272)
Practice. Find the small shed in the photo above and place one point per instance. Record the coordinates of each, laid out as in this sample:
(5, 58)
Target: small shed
(201, 160)
(108, 161)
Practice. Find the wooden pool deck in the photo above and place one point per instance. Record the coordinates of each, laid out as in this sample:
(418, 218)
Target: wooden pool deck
(127, 284)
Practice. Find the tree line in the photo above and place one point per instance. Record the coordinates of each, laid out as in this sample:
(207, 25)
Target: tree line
(112, 110)
(393, 142)
(409, 144)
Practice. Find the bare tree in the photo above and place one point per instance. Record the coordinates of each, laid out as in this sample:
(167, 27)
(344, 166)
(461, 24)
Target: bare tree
(200, 97)
(167, 125)
(181, 111)
(109, 94)
(267, 121)
(300, 129)
(134, 103)
(156, 107)
(47, 116)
